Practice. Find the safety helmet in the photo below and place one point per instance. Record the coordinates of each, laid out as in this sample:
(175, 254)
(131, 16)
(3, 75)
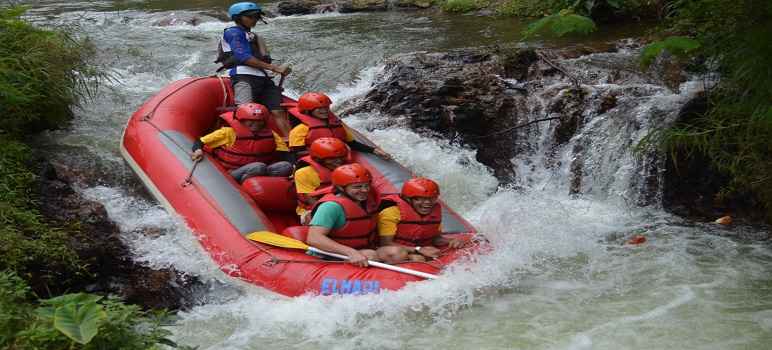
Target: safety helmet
(251, 111)
(240, 8)
(348, 174)
(328, 147)
(313, 100)
(420, 187)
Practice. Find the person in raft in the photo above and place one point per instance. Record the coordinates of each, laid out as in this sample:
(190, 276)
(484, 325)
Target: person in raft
(412, 220)
(247, 147)
(344, 221)
(313, 177)
(247, 58)
(316, 120)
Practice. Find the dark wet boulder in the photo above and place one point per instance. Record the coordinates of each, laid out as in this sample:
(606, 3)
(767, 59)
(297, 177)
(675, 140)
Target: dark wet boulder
(462, 94)
(298, 7)
(98, 242)
(419, 4)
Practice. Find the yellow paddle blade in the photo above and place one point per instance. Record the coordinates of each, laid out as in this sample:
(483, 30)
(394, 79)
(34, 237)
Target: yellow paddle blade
(276, 240)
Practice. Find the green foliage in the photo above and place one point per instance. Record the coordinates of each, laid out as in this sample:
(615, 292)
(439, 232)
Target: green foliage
(462, 6)
(735, 134)
(79, 322)
(562, 23)
(92, 321)
(14, 308)
(42, 74)
(35, 250)
(587, 8)
(679, 46)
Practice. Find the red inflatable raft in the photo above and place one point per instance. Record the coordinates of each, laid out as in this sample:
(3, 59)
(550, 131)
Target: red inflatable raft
(156, 144)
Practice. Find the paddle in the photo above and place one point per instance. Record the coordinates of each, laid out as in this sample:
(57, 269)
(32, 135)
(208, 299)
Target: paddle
(278, 240)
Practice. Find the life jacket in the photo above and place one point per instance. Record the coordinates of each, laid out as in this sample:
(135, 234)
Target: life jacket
(318, 128)
(414, 229)
(225, 54)
(325, 177)
(359, 231)
(248, 148)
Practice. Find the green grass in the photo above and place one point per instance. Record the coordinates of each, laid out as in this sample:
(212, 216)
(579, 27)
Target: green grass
(43, 73)
(463, 6)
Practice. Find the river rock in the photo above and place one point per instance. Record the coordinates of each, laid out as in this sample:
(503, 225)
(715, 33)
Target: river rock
(348, 6)
(298, 7)
(99, 243)
(461, 94)
(421, 4)
(587, 106)
(693, 188)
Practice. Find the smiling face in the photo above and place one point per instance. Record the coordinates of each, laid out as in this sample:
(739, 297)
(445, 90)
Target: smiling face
(423, 205)
(357, 191)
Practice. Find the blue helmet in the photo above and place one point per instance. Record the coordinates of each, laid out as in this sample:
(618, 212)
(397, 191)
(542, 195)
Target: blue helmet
(241, 7)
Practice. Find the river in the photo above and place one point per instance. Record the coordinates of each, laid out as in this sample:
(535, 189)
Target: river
(560, 276)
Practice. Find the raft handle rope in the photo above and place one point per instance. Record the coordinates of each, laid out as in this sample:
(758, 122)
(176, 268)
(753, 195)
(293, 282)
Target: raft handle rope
(148, 119)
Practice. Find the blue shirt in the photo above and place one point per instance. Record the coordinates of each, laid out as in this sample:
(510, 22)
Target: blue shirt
(236, 39)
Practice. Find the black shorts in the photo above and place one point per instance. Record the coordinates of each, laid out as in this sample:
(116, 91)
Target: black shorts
(251, 88)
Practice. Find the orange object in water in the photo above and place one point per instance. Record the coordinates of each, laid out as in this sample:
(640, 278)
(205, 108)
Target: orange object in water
(724, 220)
(637, 239)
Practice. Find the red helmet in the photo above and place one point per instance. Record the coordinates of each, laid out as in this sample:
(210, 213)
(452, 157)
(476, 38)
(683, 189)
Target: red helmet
(313, 100)
(328, 147)
(420, 187)
(251, 111)
(348, 174)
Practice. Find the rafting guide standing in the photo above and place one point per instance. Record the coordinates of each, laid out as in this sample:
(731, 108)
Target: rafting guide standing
(246, 56)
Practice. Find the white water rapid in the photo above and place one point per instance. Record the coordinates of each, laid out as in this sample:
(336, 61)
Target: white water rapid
(560, 276)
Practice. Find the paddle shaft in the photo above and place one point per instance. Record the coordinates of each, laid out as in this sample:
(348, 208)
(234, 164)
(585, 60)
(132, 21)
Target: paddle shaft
(379, 264)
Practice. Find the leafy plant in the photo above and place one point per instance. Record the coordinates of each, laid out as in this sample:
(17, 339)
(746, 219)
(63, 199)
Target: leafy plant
(679, 46)
(561, 23)
(735, 133)
(462, 6)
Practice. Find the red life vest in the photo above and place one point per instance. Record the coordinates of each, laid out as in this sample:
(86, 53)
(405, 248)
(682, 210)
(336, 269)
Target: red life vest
(318, 128)
(325, 177)
(248, 148)
(414, 229)
(359, 231)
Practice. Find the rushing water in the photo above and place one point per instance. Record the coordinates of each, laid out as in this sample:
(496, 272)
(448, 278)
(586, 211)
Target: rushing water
(560, 276)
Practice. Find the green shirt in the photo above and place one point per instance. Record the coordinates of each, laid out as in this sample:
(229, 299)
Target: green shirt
(329, 215)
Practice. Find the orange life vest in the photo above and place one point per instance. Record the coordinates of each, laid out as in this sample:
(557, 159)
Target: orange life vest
(359, 231)
(248, 148)
(318, 128)
(414, 229)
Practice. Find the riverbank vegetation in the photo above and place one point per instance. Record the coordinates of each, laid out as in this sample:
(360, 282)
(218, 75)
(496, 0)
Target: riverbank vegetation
(43, 74)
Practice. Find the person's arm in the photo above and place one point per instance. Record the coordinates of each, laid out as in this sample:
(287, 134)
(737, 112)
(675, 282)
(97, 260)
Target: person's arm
(388, 219)
(219, 137)
(242, 52)
(317, 237)
(453, 243)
